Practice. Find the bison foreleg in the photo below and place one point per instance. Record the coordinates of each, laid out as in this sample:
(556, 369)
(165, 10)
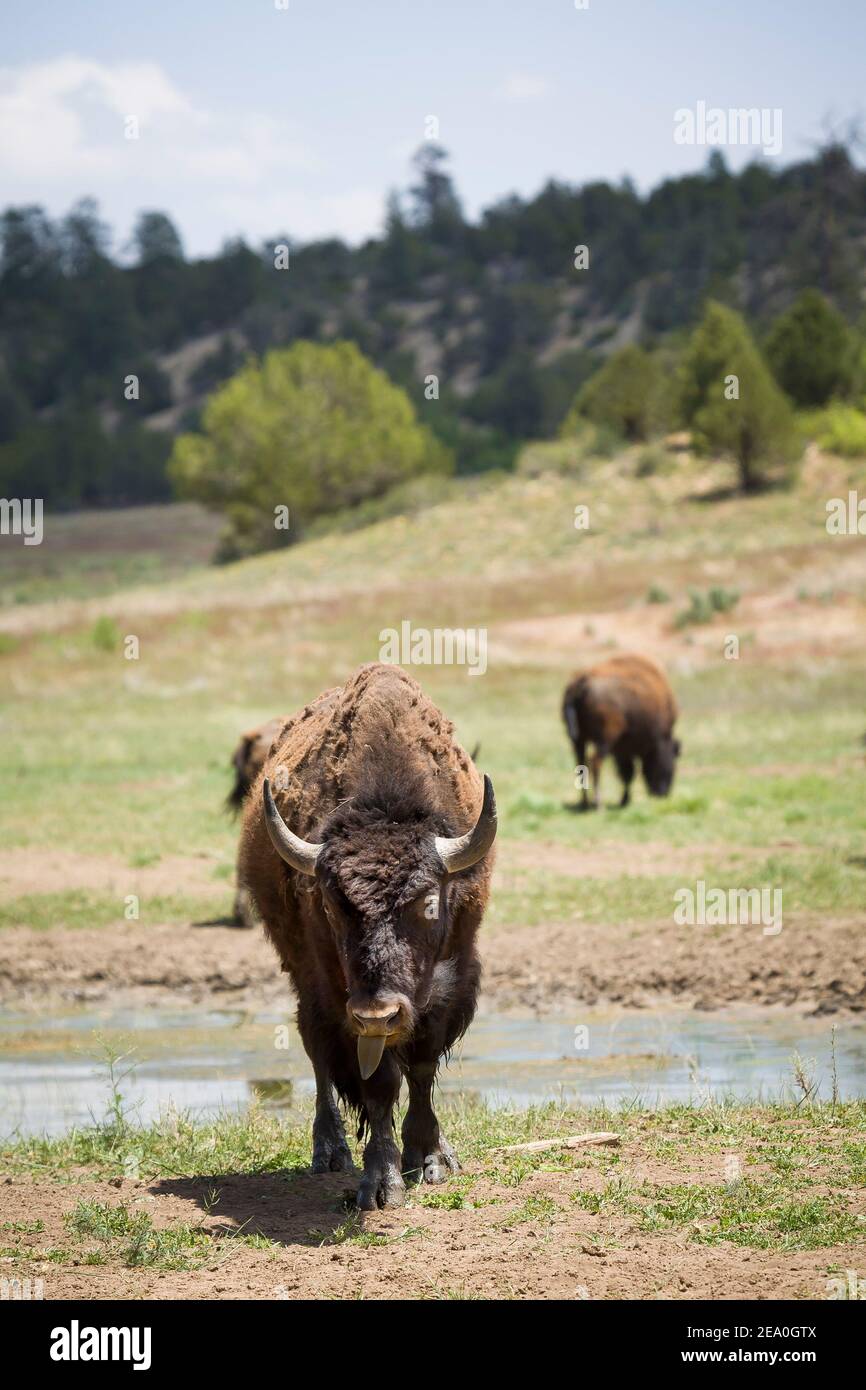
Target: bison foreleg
(625, 768)
(427, 1155)
(580, 754)
(331, 1153)
(381, 1183)
(598, 756)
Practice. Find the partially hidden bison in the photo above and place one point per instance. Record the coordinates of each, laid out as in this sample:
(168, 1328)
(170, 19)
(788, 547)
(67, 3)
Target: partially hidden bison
(367, 848)
(248, 759)
(625, 707)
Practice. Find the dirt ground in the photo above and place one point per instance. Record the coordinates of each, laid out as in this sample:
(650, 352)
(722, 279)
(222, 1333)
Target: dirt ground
(535, 1240)
(545, 968)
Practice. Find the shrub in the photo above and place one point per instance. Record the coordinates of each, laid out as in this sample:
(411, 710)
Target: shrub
(312, 428)
(656, 594)
(840, 429)
(651, 459)
(105, 634)
(703, 608)
(569, 455)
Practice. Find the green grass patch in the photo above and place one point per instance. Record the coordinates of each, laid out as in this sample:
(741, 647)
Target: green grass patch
(763, 1215)
(83, 908)
(802, 1168)
(132, 1239)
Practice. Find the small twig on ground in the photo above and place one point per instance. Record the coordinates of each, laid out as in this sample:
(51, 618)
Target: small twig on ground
(571, 1141)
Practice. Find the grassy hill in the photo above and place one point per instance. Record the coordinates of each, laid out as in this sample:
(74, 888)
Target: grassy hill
(121, 766)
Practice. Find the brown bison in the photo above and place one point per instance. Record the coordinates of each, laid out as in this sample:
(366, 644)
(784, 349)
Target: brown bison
(248, 759)
(370, 865)
(624, 706)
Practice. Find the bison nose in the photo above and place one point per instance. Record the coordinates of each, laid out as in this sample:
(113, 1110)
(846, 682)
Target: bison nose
(376, 1016)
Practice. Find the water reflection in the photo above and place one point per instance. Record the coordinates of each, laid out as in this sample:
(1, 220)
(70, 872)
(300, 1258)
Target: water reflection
(52, 1070)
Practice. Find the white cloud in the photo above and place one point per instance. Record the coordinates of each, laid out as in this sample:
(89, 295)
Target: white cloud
(62, 135)
(524, 86)
(65, 117)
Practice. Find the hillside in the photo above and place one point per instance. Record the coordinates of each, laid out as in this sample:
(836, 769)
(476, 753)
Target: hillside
(495, 309)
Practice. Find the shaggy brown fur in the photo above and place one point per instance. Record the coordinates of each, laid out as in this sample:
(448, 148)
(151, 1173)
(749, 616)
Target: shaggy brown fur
(248, 759)
(372, 771)
(250, 756)
(624, 706)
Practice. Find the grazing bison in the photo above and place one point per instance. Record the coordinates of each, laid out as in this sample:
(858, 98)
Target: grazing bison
(370, 865)
(624, 706)
(248, 760)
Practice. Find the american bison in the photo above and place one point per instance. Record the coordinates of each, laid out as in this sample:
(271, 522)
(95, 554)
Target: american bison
(624, 706)
(248, 760)
(367, 848)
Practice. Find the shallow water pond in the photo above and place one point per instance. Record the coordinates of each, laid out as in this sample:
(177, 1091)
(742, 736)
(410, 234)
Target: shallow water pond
(54, 1070)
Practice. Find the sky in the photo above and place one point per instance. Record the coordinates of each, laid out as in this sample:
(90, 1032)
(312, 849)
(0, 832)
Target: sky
(259, 118)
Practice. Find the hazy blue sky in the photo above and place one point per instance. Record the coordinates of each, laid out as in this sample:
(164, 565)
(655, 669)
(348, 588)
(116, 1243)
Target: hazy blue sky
(255, 119)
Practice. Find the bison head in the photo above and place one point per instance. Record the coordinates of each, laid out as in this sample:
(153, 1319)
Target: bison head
(659, 765)
(385, 874)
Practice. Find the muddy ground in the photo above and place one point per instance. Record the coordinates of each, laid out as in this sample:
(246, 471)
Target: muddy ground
(816, 965)
(535, 1239)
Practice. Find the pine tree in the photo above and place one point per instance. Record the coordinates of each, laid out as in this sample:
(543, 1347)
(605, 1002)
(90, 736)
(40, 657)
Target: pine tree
(810, 350)
(625, 394)
(731, 402)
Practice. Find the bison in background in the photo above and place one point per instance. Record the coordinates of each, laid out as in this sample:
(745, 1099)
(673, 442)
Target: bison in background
(248, 759)
(623, 706)
(367, 849)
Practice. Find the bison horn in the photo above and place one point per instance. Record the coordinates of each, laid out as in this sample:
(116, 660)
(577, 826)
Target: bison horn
(298, 854)
(465, 850)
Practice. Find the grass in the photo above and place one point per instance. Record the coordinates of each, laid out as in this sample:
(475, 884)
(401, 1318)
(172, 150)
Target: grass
(131, 1237)
(128, 759)
(353, 1232)
(124, 763)
(760, 1214)
(175, 1147)
(803, 1171)
(85, 908)
(87, 554)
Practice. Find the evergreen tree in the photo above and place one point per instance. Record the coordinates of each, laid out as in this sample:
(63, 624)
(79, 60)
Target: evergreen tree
(436, 207)
(625, 394)
(810, 350)
(156, 238)
(732, 403)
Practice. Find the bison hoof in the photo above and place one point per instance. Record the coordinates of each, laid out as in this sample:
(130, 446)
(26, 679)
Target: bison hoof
(381, 1187)
(332, 1156)
(434, 1167)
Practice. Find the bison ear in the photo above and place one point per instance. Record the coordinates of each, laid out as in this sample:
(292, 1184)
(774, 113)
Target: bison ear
(299, 854)
(462, 851)
(678, 748)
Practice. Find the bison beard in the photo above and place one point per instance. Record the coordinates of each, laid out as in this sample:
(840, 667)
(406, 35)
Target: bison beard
(370, 865)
